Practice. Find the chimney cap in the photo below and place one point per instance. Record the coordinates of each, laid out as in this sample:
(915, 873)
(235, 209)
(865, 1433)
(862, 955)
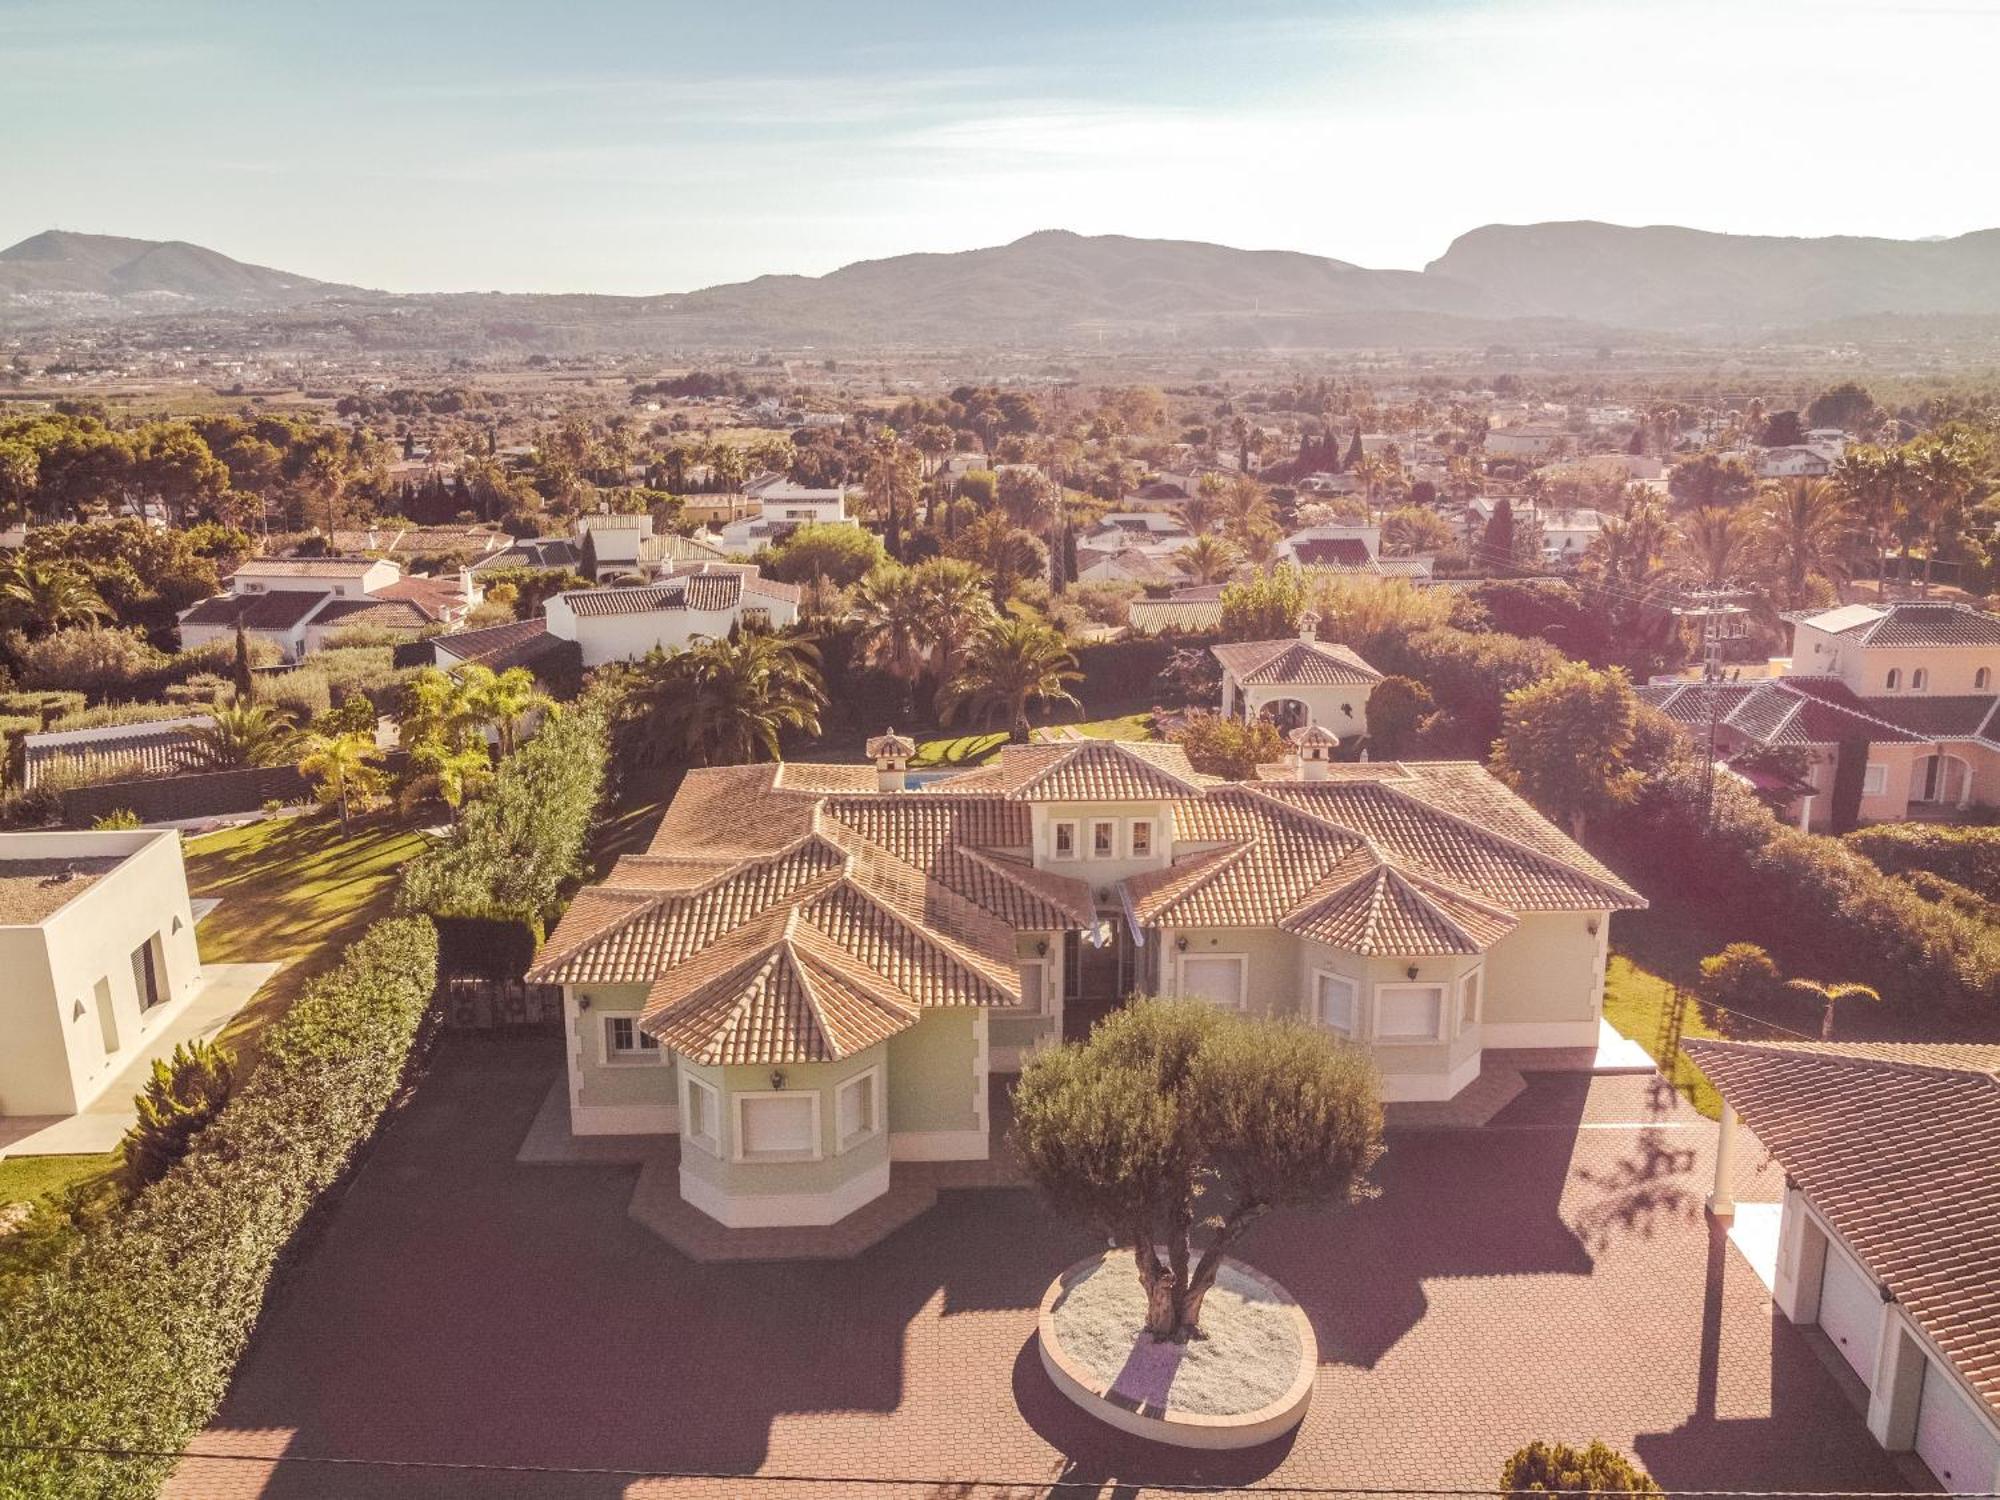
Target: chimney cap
(1316, 735)
(1309, 625)
(891, 744)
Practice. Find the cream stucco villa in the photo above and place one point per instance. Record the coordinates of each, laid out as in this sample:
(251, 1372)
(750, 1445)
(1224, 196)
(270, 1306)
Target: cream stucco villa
(814, 969)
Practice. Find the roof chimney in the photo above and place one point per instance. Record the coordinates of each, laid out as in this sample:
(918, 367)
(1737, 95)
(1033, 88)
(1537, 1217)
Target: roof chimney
(1309, 626)
(891, 753)
(1316, 744)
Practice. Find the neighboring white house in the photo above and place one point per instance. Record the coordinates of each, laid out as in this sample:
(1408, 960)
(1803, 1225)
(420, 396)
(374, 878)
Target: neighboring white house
(1794, 463)
(1525, 441)
(611, 544)
(1295, 682)
(1888, 1237)
(783, 507)
(703, 602)
(295, 603)
(97, 950)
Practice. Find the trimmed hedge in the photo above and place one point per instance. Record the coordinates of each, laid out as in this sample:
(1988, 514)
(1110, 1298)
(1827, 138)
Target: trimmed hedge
(131, 1342)
(1823, 910)
(1965, 856)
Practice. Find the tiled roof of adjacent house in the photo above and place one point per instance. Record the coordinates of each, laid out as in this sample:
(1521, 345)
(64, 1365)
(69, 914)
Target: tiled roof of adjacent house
(1896, 1146)
(1299, 662)
(519, 643)
(1187, 616)
(370, 612)
(436, 597)
(709, 592)
(1952, 717)
(305, 567)
(1333, 552)
(1907, 624)
(155, 748)
(538, 552)
(1795, 710)
(1084, 771)
(279, 610)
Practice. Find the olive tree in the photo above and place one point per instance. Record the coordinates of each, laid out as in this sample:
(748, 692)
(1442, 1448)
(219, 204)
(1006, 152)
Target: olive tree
(1177, 1125)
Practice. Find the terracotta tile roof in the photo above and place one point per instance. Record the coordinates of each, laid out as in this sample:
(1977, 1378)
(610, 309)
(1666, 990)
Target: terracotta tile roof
(1795, 710)
(374, 613)
(1952, 717)
(436, 597)
(519, 643)
(1187, 616)
(1921, 624)
(703, 591)
(1335, 552)
(156, 748)
(1298, 662)
(1896, 1146)
(1084, 771)
(1372, 907)
(304, 567)
(279, 610)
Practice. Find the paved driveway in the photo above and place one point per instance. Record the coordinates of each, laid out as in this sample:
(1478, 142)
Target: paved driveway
(1551, 1275)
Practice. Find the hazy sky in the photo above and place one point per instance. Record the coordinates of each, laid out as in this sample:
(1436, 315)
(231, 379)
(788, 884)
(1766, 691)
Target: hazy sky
(654, 145)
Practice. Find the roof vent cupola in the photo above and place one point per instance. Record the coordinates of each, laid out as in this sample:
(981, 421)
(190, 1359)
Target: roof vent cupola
(891, 753)
(1309, 626)
(1315, 744)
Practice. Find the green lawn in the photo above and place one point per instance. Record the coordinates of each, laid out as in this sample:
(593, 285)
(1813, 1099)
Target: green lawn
(293, 890)
(1635, 1001)
(26, 1178)
(1127, 727)
(957, 750)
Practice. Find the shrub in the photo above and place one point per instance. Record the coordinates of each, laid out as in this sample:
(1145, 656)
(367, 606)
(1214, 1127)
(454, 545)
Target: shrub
(1469, 677)
(1966, 856)
(1228, 747)
(1397, 710)
(1558, 1469)
(107, 714)
(101, 661)
(130, 1342)
(1740, 977)
(181, 1100)
(117, 819)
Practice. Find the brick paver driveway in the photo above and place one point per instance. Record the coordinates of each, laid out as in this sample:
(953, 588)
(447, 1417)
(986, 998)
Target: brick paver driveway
(1552, 1275)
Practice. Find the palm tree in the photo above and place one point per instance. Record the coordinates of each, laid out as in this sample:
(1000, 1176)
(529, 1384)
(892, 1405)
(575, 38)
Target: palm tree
(1806, 530)
(725, 702)
(1372, 471)
(1874, 480)
(1204, 507)
(961, 608)
(1017, 662)
(895, 614)
(1209, 559)
(436, 709)
(502, 700)
(240, 734)
(40, 596)
(347, 768)
(447, 773)
(1829, 996)
(1713, 544)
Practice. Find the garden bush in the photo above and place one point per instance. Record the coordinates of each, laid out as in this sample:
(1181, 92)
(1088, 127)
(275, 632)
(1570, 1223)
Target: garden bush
(129, 1341)
(1230, 748)
(1558, 1469)
(1966, 856)
(1740, 977)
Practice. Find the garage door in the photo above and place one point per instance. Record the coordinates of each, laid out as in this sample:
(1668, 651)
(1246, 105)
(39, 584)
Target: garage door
(1961, 1450)
(1219, 980)
(1850, 1312)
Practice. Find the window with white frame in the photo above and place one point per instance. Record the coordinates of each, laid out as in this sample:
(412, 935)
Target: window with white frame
(777, 1126)
(701, 1115)
(1214, 977)
(1103, 839)
(857, 1109)
(1035, 986)
(1139, 838)
(1874, 781)
(1468, 1000)
(1336, 1001)
(1062, 840)
(624, 1042)
(1409, 1012)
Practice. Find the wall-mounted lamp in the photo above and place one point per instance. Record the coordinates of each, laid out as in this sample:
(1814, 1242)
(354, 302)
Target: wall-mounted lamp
(1591, 927)
(1411, 971)
(1180, 943)
(777, 1078)
(1042, 948)
(583, 1002)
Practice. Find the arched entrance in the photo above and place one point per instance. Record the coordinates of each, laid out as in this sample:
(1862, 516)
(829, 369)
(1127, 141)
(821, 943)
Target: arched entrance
(1942, 780)
(1287, 713)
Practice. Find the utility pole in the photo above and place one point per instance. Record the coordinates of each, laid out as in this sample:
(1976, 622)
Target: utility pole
(1714, 608)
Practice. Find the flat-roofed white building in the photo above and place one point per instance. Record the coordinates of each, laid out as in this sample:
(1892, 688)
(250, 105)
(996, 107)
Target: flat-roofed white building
(97, 947)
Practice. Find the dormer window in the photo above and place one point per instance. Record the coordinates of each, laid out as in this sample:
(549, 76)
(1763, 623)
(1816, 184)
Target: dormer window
(1894, 681)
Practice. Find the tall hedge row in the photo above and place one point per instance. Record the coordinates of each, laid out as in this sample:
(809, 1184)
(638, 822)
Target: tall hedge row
(130, 1344)
(1822, 909)
(1966, 856)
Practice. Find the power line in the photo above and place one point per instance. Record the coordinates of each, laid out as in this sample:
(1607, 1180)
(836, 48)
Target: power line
(1053, 1485)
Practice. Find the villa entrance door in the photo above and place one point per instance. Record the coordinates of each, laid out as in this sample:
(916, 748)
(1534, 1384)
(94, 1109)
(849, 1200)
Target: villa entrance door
(1101, 979)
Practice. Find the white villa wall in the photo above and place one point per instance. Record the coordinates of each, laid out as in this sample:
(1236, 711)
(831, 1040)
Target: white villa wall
(60, 973)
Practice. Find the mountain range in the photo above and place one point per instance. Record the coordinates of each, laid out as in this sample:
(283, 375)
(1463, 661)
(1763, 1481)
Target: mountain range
(1567, 282)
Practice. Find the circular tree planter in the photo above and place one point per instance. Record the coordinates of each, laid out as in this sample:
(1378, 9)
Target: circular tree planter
(1246, 1382)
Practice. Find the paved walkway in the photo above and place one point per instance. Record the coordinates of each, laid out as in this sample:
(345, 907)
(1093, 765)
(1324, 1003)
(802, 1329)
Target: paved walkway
(226, 989)
(1551, 1275)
